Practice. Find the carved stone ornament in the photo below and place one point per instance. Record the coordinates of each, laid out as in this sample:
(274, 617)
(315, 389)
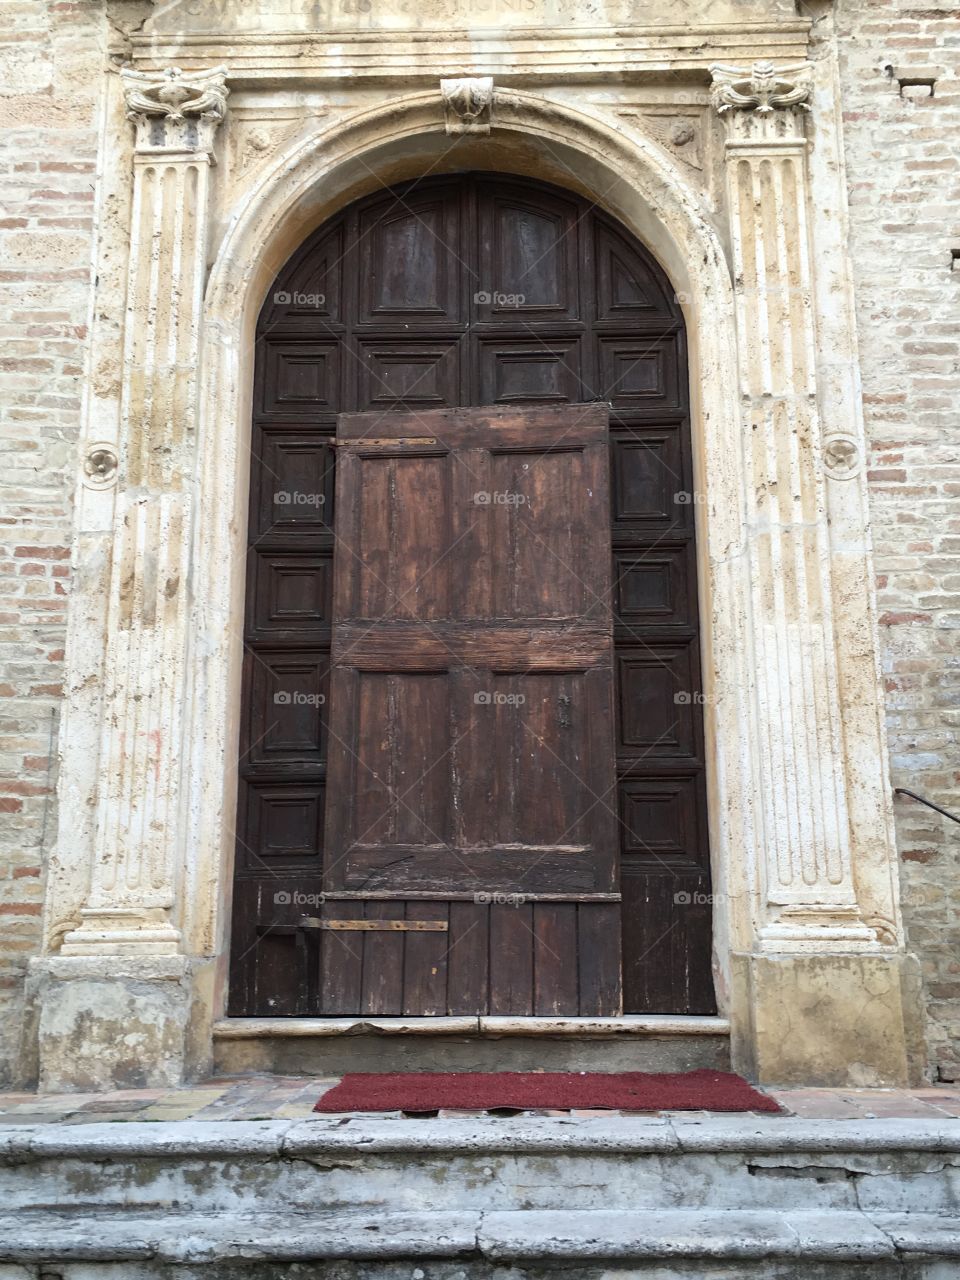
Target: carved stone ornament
(100, 466)
(841, 457)
(467, 105)
(762, 88)
(175, 93)
(175, 108)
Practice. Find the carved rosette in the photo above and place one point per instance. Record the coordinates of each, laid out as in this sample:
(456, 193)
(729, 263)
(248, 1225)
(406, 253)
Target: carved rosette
(467, 105)
(100, 466)
(762, 103)
(841, 457)
(175, 109)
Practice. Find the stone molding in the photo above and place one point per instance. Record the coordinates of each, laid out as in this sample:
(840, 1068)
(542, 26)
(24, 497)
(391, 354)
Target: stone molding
(547, 55)
(467, 105)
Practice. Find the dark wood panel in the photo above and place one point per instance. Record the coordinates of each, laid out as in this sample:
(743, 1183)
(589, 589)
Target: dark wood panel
(640, 374)
(301, 379)
(283, 825)
(292, 484)
(287, 707)
(650, 480)
(528, 255)
(534, 370)
(653, 587)
(408, 374)
(659, 708)
(409, 258)
(666, 952)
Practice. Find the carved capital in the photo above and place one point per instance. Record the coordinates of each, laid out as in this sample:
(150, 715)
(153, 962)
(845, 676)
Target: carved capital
(467, 105)
(175, 110)
(763, 103)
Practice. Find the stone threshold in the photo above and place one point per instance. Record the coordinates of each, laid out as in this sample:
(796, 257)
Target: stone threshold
(651, 1025)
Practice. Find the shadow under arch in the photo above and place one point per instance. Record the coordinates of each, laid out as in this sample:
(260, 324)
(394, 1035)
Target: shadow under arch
(313, 178)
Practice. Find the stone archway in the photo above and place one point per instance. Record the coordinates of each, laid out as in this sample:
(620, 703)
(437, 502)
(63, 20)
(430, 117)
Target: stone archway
(806, 916)
(599, 159)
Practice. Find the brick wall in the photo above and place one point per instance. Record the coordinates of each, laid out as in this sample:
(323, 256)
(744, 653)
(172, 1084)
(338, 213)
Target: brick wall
(903, 164)
(52, 66)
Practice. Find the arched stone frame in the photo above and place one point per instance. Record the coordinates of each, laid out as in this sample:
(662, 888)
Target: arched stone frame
(812, 975)
(316, 177)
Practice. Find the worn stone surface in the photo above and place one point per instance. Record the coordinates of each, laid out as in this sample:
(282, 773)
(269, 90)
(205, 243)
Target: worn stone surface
(537, 1195)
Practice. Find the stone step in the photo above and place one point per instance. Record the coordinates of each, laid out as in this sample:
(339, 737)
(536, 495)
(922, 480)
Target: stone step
(488, 1164)
(333, 1046)
(529, 1243)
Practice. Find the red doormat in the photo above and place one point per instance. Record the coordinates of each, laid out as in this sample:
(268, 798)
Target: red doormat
(556, 1090)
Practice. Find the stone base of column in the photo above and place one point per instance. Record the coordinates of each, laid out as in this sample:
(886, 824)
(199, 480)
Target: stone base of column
(111, 1022)
(843, 1020)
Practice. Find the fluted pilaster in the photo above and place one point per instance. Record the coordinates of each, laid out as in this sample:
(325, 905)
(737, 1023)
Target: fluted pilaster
(175, 115)
(808, 889)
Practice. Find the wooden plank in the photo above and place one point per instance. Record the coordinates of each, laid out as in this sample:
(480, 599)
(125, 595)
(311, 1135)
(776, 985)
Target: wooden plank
(382, 986)
(425, 962)
(531, 427)
(555, 961)
(411, 646)
(511, 959)
(341, 963)
(433, 895)
(376, 925)
(598, 934)
(468, 960)
(510, 870)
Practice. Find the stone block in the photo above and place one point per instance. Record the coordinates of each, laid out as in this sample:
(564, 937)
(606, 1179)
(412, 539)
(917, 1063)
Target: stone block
(109, 1024)
(848, 1020)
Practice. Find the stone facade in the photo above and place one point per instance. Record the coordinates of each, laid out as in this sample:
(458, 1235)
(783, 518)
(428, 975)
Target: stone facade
(733, 172)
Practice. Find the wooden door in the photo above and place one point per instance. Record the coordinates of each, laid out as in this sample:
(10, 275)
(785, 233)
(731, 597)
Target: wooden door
(459, 291)
(471, 715)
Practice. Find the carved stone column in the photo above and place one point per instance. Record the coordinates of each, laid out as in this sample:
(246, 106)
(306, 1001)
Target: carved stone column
(128, 911)
(819, 958)
(809, 898)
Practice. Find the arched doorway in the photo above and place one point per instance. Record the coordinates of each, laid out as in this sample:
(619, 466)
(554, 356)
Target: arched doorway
(469, 290)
